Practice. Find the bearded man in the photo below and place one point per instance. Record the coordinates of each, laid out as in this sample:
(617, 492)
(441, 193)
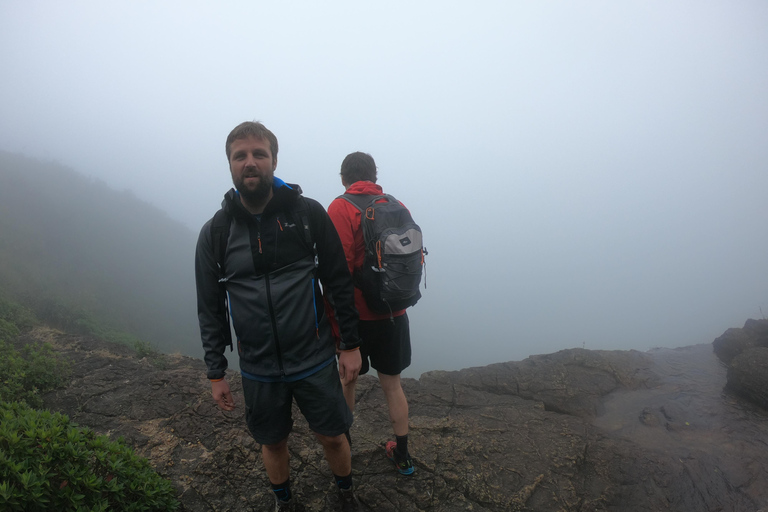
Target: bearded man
(259, 262)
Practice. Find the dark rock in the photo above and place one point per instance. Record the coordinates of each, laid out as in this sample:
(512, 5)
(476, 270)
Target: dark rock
(553, 432)
(734, 341)
(569, 382)
(758, 329)
(744, 351)
(748, 375)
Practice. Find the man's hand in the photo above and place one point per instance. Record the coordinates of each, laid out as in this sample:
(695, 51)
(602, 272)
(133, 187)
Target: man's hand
(350, 363)
(222, 395)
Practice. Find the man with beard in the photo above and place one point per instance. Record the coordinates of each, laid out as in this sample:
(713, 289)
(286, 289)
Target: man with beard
(277, 244)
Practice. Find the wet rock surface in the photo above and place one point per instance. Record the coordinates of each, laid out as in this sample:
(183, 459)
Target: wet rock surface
(577, 430)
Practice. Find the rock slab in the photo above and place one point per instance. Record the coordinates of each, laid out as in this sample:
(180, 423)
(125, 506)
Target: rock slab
(577, 430)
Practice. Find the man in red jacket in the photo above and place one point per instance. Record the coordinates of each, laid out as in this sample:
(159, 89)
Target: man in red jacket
(386, 340)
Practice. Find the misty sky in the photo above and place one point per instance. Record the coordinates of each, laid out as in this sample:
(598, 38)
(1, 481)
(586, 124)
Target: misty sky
(585, 173)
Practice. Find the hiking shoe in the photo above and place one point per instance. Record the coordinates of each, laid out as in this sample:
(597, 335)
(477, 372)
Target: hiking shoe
(403, 466)
(288, 506)
(348, 500)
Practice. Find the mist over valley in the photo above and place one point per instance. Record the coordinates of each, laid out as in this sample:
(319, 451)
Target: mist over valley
(94, 260)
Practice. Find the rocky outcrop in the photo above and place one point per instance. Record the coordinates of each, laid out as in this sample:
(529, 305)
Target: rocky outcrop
(745, 351)
(570, 381)
(573, 431)
(734, 341)
(748, 375)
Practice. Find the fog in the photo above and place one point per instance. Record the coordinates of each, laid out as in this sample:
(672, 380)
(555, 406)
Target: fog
(588, 174)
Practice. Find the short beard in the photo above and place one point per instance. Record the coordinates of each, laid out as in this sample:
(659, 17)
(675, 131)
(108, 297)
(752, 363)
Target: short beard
(259, 194)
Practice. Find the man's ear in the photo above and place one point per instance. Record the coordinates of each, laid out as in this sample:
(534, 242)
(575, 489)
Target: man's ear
(274, 163)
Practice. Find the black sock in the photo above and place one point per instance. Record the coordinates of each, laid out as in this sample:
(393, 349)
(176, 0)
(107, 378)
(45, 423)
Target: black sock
(344, 482)
(402, 445)
(282, 491)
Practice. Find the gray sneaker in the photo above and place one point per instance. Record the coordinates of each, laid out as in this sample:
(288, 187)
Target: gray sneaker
(348, 500)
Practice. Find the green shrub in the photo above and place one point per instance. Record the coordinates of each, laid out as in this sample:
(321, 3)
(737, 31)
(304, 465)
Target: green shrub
(8, 330)
(86, 323)
(144, 349)
(25, 374)
(12, 373)
(14, 318)
(48, 463)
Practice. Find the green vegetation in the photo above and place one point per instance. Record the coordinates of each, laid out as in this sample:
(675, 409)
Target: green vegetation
(91, 261)
(14, 319)
(26, 374)
(144, 349)
(48, 463)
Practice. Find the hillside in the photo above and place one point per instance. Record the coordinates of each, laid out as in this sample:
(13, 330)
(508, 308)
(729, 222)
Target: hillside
(92, 259)
(578, 430)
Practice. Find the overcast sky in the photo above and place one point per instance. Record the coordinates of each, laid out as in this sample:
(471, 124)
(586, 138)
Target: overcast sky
(585, 173)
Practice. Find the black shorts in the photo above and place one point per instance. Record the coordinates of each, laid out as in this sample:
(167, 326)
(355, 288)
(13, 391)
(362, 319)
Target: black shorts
(387, 344)
(319, 396)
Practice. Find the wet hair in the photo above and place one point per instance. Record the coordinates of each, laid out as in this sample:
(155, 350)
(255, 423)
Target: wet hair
(251, 129)
(358, 166)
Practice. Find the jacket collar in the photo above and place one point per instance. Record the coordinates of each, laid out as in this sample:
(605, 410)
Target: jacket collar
(367, 188)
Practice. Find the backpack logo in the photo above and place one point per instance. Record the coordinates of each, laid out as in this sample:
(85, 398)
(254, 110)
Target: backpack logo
(394, 253)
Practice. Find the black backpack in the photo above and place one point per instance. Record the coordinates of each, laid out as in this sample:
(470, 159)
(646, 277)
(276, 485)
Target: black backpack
(394, 253)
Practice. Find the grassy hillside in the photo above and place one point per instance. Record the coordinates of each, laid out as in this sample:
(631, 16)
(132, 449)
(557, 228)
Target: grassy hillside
(84, 256)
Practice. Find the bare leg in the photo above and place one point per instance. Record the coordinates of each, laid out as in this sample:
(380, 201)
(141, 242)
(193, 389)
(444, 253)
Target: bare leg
(275, 457)
(337, 453)
(396, 402)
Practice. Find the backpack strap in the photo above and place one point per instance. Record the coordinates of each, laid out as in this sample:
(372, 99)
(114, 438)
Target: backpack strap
(363, 201)
(219, 238)
(366, 204)
(359, 201)
(300, 214)
(308, 238)
(303, 214)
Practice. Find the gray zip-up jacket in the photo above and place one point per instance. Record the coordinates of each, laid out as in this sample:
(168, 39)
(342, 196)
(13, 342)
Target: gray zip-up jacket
(275, 300)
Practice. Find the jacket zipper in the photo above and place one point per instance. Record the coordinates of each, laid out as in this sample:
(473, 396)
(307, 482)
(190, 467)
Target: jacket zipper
(314, 305)
(272, 318)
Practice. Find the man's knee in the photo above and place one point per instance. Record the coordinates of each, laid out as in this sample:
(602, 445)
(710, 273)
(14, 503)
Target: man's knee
(277, 447)
(332, 443)
(389, 382)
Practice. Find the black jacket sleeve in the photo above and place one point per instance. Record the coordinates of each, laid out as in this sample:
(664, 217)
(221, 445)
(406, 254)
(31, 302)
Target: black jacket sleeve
(210, 310)
(334, 274)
